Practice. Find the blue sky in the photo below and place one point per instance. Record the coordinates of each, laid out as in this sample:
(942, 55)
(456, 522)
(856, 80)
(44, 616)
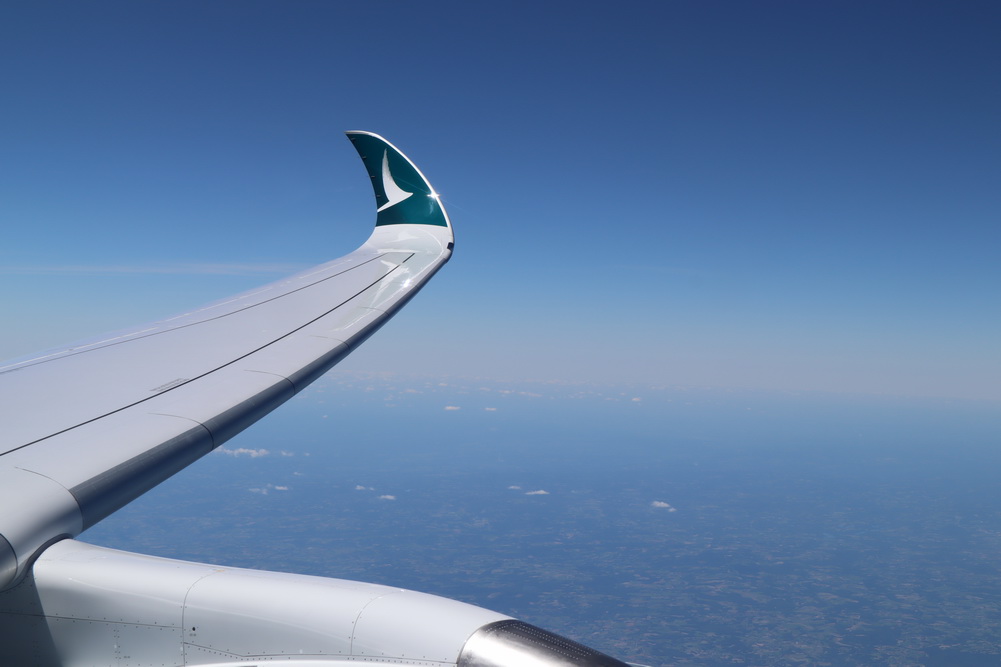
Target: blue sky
(772, 195)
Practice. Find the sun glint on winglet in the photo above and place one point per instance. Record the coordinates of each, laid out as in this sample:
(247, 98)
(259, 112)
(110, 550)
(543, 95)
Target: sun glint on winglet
(402, 194)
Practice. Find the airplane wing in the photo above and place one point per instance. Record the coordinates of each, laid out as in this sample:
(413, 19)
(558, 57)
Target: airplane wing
(88, 428)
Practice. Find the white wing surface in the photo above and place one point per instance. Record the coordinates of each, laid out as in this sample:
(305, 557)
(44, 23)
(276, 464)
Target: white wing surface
(88, 428)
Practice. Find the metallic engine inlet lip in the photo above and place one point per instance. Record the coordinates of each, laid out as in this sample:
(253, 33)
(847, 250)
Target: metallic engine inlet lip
(514, 643)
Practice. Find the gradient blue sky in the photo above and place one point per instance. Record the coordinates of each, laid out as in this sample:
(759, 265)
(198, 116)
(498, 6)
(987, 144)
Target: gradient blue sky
(772, 195)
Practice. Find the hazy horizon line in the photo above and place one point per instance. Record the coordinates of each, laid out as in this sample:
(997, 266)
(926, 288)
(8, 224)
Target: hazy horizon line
(201, 268)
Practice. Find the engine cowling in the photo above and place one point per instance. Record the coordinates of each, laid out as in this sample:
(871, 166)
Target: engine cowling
(82, 604)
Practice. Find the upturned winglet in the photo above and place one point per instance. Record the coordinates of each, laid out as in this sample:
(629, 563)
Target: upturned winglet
(402, 194)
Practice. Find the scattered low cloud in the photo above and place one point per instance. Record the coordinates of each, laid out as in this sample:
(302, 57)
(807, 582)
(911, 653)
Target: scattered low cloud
(284, 453)
(514, 487)
(267, 488)
(540, 492)
(243, 451)
(359, 487)
(452, 407)
(490, 409)
(661, 504)
(387, 497)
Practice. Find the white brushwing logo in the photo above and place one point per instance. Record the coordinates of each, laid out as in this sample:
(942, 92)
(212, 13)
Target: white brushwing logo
(394, 193)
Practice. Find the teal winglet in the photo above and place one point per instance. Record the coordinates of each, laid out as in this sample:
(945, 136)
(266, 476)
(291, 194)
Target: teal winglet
(402, 194)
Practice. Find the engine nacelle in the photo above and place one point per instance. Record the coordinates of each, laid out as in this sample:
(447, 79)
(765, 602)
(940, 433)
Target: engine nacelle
(87, 605)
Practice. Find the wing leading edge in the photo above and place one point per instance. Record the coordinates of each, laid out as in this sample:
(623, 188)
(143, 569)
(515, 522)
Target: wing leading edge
(88, 428)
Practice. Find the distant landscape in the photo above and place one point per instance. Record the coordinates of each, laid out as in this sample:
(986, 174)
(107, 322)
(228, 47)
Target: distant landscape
(663, 525)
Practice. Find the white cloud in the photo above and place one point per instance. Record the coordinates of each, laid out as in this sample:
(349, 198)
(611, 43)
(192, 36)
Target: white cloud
(264, 490)
(663, 505)
(359, 487)
(284, 453)
(540, 492)
(490, 409)
(387, 497)
(514, 488)
(452, 407)
(243, 451)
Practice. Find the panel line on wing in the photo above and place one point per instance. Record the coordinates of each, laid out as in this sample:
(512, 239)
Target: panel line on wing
(217, 368)
(120, 340)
